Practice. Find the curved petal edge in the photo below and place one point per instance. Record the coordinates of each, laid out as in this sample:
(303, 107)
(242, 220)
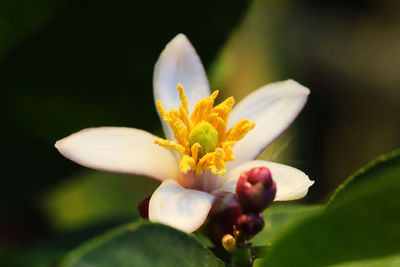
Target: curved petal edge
(273, 108)
(120, 150)
(178, 207)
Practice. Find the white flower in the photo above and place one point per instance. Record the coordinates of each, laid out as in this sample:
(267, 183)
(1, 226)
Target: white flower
(189, 184)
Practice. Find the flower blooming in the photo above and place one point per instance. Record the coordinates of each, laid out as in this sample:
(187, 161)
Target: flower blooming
(206, 146)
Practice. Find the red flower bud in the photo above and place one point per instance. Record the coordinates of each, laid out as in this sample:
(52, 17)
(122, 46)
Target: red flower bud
(250, 224)
(255, 190)
(143, 208)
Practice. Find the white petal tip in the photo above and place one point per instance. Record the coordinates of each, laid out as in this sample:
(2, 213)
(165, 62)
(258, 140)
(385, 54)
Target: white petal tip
(292, 84)
(180, 37)
(297, 192)
(180, 40)
(57, 144)
(60, 144)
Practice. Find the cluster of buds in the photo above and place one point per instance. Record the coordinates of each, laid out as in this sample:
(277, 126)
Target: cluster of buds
(255, 191)
(223, 222)
(242, 219)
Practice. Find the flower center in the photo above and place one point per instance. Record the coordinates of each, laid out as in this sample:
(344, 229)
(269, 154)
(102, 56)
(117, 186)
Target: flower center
(206, 136)
(202, 138)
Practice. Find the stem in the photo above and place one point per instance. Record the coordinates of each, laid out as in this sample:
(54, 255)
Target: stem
(241, 258)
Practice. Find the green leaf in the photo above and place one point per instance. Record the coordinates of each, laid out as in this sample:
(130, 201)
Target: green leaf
(387, 165)
(362, 224)
(31, 258)
(279, 217)
(142, 244)
(391, 261)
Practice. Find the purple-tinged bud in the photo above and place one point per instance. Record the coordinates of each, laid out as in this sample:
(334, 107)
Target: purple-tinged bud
(250, 224)
(255, 190)
(143, 208)
(222, 223)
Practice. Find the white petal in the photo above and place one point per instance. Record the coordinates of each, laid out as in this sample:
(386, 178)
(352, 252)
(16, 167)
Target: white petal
(184, 209)
(121, 150)
(273, 108)
(291, 183)
(179, 63)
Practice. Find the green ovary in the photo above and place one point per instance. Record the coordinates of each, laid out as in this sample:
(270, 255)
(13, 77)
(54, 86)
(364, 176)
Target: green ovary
(206, 135)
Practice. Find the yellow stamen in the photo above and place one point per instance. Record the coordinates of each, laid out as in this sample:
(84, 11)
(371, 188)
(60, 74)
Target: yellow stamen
(205, 162)
(160, 108)
(184, 117)
(170, 144)
(215, 153)
(223, 109)
(227, 147)
(240, 129)
(187, 163)
(219, 162)
(172, 118)
(195, 151)
(219, 124)
(183, 109)
(182, 97)
(203, 108)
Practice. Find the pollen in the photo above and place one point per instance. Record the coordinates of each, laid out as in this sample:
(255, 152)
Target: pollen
(202, 139)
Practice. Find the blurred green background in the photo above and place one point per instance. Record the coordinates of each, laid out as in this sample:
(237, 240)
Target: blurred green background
(67, 65)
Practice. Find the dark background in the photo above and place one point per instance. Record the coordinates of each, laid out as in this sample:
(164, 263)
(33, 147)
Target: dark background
(68, 65)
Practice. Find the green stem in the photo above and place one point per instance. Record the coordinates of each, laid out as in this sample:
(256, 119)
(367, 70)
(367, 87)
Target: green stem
(241, 258)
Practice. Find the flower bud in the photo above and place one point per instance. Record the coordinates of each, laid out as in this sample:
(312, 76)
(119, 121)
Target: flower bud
(250, 224)
(143, 208)
(240, 254)
(229, 243)
(222, 223)
(255, 190)
(205, 135)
